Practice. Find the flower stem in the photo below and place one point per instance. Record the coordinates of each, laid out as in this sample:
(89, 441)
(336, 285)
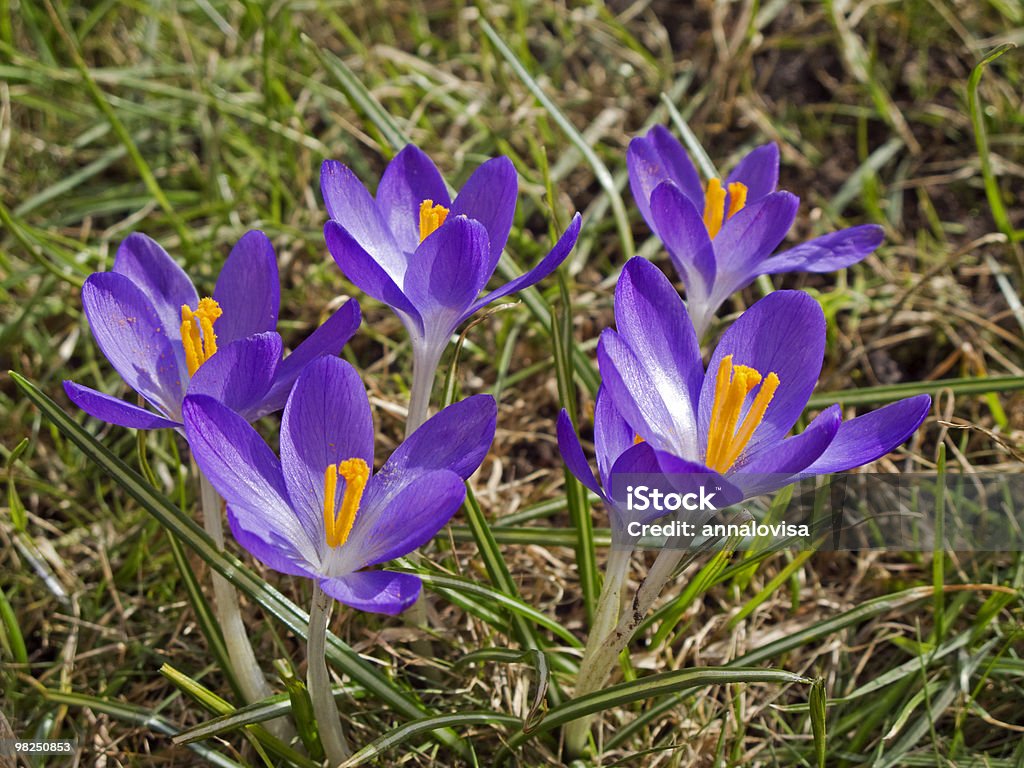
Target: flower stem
(318, 682)
(606, 616)
(241, 656)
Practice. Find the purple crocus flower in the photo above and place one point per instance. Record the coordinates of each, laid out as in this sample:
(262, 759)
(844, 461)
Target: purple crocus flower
(735, 418)
(424, 255)
(319, 511)
(165, 342)
(721, 237)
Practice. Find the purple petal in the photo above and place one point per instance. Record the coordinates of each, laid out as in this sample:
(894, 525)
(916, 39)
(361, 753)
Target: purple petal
(143, 261)
(374, 591)
(350, 206)
(326, 420)
(773, 465)
(246, 473)
(248, 289)
(681, 227)
(365, 272)
(266, 544)
(749, 236)
(456, 438)
(400, 515)
(114, 411)
(410, 178)
(135, 340)
(546, 266)
(656, 158)
(783, 333)
(826, 253)
(489, 196)
(328, 339)
(759, 171)
(572, 453)
(239, 375)
(447, 270)
(612, 434)
(866, 438)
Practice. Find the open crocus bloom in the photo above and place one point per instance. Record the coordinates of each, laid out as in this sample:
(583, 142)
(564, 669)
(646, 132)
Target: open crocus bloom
(720, 237)
(165, 342)
(425, 256)
(735, 419)
(320, 511)
(621, 458)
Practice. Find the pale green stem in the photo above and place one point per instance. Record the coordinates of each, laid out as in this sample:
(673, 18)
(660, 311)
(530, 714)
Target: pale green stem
(318, 681)
(606, 616)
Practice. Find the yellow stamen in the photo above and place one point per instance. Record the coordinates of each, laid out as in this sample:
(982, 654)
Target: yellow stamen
(737, 198)
(637, 440)
(197, 335)
(732, 385)
(431, 217)
(715, 213)
(355, 473)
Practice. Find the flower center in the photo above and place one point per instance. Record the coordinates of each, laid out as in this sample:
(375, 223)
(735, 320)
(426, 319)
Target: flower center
(338, 522)
(197, 336)
(431, 217)
(715, 213)
(732, 385)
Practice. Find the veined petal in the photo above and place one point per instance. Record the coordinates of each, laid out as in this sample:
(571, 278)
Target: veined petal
(245, 472)
(326, 420)
(375, 591)
(143, 261)
(612, 434)
(448, 269)
(250, 529)
(681, 227)
(489, 196)
(366, 273)
(350, 206)
(248, 289)
(826, 253)
(784, 334)
(749, 236)
(134, 339)
(659, 157)
(114, 411)
(328, 339)
(758, 171)
(572, 453)
(240, 374)
(410, 178)
(866, 438)
(545, 267)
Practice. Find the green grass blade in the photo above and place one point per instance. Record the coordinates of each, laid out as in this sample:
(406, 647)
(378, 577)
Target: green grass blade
(892, 392)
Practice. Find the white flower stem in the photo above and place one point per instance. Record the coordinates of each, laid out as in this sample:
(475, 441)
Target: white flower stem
(606, 617)
(241, 656)
(318, 681)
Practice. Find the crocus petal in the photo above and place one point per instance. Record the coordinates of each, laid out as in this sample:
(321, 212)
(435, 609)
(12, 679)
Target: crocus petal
(326, 420)
(362, 269)
(681, 227)
(248, 526)
(659, 157)
(239, 375)
(774, 465)
(572, 453)
(399, 515)
(659, 417)
(749, 236)
(134, 339)
(545, 267)
(245, 472)
(826, 253)
(612, 434)
(375, 591)
(352, 208)
(447, 271)
(248, 289)
(114, 411)
(143, 261)
(489, 196)
(456, 438)
(866, 438)
(783, 333)
(410, 178)
(758, 171)
(328, 339)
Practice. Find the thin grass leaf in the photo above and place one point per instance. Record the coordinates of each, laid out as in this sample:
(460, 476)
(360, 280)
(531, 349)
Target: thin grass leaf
(892, 392)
